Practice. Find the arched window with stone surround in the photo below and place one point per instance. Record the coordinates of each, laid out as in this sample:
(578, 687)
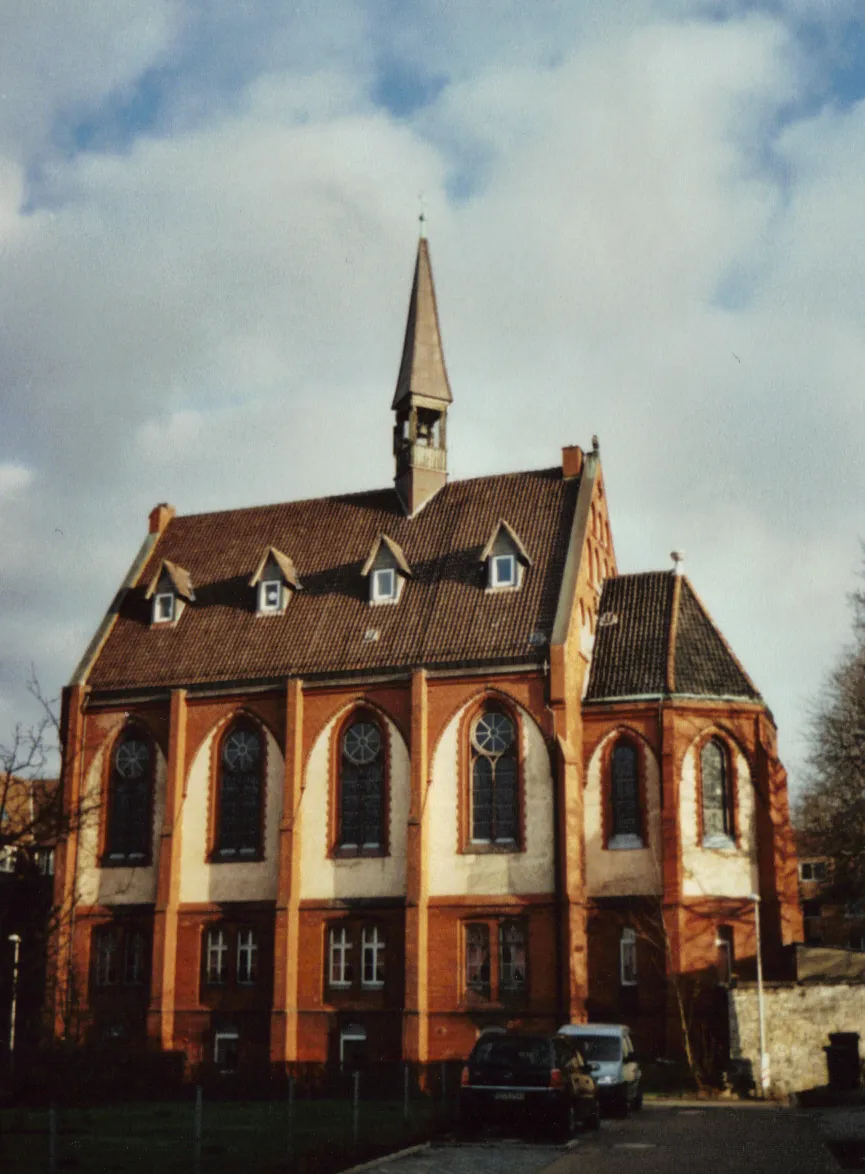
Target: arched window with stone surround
(130, 800)
(239, 792)
(716, 795)
(361, 789)
(626, 822)
(495, 790)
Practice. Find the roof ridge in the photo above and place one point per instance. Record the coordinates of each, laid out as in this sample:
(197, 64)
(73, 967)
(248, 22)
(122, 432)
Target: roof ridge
(384, 489)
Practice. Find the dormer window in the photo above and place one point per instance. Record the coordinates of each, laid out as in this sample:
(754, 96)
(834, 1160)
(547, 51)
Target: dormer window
(270, 595)
(274, 580)
(169, 591)
(386, 570)
(505, 558)
(503, 570)
(383, 584)
(163, 607)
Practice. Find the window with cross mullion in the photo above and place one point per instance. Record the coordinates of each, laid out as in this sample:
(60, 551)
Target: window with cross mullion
(495, 780)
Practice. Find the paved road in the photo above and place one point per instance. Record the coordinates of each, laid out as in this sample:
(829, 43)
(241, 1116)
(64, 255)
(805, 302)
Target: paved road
(660, 1140)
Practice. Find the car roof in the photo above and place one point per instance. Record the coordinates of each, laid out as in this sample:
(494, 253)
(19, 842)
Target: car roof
(593, 1029)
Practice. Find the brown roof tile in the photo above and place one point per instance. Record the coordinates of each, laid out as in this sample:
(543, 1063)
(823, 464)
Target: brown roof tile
(445, 615)
(631, 650)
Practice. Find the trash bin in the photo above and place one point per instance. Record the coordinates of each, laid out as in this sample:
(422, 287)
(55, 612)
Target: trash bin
(842, 1060)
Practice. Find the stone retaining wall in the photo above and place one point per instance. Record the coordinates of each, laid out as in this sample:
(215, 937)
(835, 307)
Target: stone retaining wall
(798, 1021)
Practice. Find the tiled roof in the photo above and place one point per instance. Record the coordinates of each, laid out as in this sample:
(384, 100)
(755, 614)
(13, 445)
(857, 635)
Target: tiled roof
(445, 615)
(632, 645)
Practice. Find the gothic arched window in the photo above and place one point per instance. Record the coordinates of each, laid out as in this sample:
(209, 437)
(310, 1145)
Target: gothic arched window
(716, 794)
(361, 787)
(130, 808)
(240, 792)
(625, 817)
(494, 779)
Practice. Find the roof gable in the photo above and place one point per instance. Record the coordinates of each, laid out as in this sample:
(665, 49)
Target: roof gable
(445, 617)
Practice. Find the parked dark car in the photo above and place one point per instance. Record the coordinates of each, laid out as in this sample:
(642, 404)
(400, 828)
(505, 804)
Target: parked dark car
(541, 1079)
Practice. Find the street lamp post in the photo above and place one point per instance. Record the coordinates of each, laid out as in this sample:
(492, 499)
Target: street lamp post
(761, 1010)
(15, 939)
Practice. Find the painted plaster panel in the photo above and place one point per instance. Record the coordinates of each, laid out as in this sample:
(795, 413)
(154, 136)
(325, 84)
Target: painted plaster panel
(718, 872)
(627, 871)
(454, 873)
(253, 880)
(324, 877)
(115, 886)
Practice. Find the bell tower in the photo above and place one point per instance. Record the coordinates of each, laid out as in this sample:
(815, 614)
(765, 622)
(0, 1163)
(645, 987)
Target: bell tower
(422, 396)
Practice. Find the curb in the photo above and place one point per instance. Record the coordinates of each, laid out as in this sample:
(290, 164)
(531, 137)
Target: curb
(371, 1165)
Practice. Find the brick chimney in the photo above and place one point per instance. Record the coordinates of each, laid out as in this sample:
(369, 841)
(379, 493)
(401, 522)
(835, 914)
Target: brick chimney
(160, 516)
(572, 460)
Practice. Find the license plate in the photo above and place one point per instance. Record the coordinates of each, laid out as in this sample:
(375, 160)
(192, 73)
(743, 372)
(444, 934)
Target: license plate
(509, 1096)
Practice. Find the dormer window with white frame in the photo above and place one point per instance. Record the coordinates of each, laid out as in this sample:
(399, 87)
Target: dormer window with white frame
(505, 558)
(274, 580)
(169, 591)
(386, 570)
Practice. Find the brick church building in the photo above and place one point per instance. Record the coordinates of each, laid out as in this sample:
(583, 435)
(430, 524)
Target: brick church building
(373, 772)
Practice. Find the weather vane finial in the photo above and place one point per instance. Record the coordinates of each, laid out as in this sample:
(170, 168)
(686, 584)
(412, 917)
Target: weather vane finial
(421, 216)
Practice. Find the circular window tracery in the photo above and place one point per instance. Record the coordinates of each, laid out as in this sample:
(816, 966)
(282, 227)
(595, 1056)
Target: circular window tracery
(362, 743)
(131, 758)
(241, 750)
(493, 733)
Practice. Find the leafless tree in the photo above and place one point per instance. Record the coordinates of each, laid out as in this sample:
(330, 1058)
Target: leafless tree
(832, 810)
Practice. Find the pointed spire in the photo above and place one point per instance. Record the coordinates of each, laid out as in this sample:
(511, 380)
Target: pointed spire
(422, 372)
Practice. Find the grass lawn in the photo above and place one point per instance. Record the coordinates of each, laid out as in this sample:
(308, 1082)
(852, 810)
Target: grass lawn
(236, 1137)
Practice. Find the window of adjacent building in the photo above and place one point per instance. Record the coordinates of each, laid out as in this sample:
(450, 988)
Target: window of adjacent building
(44, 859)
(135, 958)
(494, 780)
(628, 958)
(725, 954)
(361, 788)
(130, 816)
(625, 816)
(383, 585)
(240, 793)
(812, 870)
(120, 954)
(216, 957)
(247, 957)
(495, 955)
(716, 795)
(163, 607)
(349, 943)
(8, 856)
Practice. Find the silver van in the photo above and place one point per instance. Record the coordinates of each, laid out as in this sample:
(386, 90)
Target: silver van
(609, 1051)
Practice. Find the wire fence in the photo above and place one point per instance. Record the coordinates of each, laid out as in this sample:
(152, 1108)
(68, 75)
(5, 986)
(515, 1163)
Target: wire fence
(348, 1117)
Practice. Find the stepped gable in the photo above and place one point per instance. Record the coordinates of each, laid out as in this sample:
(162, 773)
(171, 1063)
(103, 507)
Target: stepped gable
(445, 616)
(636, 616)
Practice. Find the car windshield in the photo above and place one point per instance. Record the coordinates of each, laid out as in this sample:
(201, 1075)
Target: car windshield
(514, 1051)
(599, 1047)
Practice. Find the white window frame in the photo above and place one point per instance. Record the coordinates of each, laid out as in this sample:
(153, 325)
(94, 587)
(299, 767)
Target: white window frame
(159, 604)
(247, 957)
(8, 853)
(217, 957)
(220, 1037)
(338, 962)
(268, 606)
(372, 958)
(499, 581)
(628, 958)
(382, 575)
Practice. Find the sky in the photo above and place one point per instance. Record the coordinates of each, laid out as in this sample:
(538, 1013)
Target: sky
(645, 221)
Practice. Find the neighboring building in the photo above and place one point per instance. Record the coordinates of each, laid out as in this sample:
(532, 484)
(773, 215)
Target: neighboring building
(373, 772)
(829, 919)
(29, 820)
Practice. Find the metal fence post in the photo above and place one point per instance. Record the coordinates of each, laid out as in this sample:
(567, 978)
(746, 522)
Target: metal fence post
(199, 1104)
(52, 1139)
(355, 1121)
(290, 1114)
